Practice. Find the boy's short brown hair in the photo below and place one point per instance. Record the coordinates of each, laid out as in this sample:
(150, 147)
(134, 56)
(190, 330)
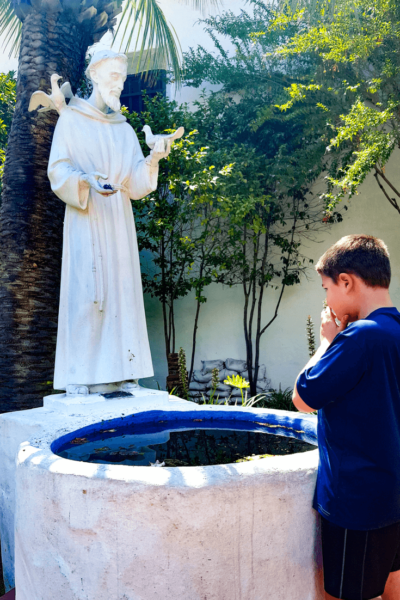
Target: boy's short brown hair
(362, 255)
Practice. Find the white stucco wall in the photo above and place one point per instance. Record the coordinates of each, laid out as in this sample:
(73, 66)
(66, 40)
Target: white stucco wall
(284, 347)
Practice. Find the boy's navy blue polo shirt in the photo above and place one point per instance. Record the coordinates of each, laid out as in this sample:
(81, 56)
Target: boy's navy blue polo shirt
(355, 387)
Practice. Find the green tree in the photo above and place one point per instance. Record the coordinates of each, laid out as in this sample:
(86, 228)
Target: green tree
(267, 222)
(180, 227)
(313, 11)
(277, 156)
(356, 55)
(53, 36)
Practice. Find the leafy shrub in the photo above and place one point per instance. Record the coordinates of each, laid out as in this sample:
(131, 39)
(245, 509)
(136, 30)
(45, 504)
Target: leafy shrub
(280, 399)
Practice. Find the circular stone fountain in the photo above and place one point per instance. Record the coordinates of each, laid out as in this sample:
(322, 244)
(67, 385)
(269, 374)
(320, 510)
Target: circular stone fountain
(103, 531)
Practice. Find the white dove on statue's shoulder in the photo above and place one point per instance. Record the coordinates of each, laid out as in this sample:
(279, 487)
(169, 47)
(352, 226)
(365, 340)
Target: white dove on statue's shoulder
(152, 139)
(55, 101)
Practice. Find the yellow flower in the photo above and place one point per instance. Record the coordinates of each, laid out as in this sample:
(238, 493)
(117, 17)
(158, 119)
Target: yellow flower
(237, 381)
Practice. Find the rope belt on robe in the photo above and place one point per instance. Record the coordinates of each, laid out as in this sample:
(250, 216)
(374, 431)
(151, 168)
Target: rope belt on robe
(97, 257)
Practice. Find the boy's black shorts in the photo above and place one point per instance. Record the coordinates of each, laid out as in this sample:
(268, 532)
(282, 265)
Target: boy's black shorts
(357, 564)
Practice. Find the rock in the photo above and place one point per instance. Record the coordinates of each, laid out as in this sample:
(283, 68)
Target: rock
(209, 365)
(236, 365)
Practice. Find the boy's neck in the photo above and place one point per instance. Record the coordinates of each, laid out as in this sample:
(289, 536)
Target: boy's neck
(372, 300)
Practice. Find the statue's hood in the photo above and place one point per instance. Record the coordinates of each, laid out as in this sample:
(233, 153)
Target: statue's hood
(83, 107)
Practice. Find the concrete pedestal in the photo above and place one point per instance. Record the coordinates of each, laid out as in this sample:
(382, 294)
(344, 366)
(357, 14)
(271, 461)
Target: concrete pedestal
(88, 531)
(59, 413)
(84, 405)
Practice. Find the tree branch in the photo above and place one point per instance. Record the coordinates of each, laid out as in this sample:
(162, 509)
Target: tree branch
(392, 201)
(386, 180)
(284, 278)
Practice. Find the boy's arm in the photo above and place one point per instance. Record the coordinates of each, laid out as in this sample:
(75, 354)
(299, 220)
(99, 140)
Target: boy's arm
(296, 399)
(328, 332)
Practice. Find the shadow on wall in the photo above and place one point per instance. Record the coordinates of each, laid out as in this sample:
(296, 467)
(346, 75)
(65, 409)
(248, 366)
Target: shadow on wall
(201, 383)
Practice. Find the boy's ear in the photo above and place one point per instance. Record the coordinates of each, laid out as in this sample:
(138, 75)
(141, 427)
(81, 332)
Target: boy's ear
(346, 280)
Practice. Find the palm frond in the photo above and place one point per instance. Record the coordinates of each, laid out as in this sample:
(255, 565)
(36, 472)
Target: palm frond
(201, 5)
(143, 23)
(10, 26)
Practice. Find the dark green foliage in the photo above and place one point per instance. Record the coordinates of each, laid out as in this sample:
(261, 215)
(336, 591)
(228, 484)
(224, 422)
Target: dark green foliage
(355, 53)
(246, 114)
(7, 105)
(162, 221)
(277, 156)
(214, 385)
(180, 226)
(310, 336)
(183, 376)
(280, 399)
(215, 379)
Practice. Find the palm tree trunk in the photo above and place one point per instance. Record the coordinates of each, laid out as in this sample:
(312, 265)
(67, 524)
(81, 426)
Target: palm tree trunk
(31, 216)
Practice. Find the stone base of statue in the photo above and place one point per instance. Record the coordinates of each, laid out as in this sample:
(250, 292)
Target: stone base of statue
(61, 414)
(83, 404)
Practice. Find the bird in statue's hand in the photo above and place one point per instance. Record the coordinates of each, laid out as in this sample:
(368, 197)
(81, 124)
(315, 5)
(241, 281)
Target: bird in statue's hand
(151, 139)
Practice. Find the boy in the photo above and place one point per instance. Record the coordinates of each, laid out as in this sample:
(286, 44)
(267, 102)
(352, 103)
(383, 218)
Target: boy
(354, 382)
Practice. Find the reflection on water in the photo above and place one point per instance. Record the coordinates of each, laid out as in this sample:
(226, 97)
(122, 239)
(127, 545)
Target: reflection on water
(180, 447)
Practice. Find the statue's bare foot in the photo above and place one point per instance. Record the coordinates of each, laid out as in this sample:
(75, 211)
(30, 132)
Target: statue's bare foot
(129, 386)
(77, 390)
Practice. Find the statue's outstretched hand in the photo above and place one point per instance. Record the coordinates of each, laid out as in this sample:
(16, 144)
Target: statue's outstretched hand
(161, 150)
(93, 180)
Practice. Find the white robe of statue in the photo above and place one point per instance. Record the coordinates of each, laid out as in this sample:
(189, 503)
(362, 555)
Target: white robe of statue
(102, 334)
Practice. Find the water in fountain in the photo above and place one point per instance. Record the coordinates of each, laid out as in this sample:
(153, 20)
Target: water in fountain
(194, 442)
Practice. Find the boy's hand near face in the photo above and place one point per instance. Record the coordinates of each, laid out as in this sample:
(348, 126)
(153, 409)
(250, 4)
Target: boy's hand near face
(329, 328)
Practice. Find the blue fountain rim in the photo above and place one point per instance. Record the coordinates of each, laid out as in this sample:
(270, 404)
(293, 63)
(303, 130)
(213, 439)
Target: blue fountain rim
(154, 421)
